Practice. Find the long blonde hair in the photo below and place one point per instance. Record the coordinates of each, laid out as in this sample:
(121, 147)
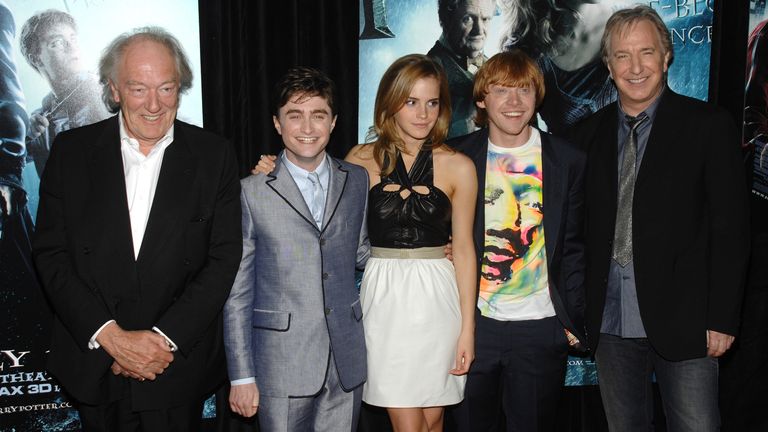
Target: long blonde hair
(394, 89)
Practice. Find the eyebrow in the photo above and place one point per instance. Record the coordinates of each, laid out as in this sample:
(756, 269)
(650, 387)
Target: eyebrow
(132, 82)
(317, 111)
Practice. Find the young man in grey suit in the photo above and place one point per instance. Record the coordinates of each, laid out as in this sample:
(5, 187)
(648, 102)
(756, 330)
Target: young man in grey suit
(293, 332)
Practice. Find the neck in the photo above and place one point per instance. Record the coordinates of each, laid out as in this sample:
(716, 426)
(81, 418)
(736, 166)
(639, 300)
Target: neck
(503, 139)
(633, 109)
(412, 146)
(306, 163)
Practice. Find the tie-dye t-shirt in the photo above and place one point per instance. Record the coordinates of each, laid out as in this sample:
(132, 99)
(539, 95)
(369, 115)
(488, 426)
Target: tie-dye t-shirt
(513, 279)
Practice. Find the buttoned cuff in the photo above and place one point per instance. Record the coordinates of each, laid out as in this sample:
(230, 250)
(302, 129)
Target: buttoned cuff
(92, 344)
(243, 381)
(173, 346)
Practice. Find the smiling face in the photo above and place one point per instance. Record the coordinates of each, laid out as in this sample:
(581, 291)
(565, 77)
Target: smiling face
(305, 124)
(468, 27)
(510, 110)
(147, 89)
(638, 64)
(415, 120)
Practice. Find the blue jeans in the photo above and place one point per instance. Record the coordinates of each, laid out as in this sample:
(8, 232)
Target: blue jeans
(688, 388)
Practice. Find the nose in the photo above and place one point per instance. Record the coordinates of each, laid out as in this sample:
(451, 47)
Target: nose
(636, 65)
(422, 111)
(514, 98)
(477, 27)
(153, 101)
(306, 125)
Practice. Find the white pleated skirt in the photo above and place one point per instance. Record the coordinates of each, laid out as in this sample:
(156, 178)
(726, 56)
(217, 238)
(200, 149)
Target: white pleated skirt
(412, 322)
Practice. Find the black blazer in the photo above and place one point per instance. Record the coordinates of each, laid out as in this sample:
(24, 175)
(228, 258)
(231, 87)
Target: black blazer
(563, 171)
(690, 223)
(186, 266)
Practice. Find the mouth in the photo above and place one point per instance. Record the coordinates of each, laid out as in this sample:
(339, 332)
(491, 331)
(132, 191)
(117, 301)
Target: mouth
(513, 114)
(151, 118)
(306, 140)
(421, 125)
(637, 80)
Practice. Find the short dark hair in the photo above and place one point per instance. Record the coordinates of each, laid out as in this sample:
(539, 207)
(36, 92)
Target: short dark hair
(33, 29)
(113, 54)
(302, 81)
(445, 8)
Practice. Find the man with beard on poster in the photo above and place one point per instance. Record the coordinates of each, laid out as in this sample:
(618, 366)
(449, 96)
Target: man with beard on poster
(527, 232)
(49, 42)
(460, 51)
(137, 245)
(667, 236)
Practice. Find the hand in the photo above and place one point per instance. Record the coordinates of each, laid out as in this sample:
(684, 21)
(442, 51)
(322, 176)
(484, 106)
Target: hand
(117, 370)
(465, 353)
(37, 125)
(266, 165)
(449, 250)
(244, 399)
(718, 343)
(573, 341)
(142, 353)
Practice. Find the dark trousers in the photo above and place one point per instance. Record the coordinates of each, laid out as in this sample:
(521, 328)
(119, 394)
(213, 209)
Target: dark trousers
(688, 388)
(117, 416)
(519, 369)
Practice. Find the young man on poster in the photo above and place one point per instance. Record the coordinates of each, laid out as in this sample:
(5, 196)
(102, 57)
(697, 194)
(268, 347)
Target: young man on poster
(49, 42)
(666, 232)
(459, 50)
(527, 234)
(292, 324)
(137, 245)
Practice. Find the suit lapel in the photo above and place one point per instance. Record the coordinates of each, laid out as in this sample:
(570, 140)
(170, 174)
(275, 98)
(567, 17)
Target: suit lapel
(553, 190)
(336, 185)
(660, 138)
(478, 152)
(169, 205)
(282, 183)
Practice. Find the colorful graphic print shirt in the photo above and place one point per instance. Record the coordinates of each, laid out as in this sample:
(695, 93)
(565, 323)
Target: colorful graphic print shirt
(513, 280)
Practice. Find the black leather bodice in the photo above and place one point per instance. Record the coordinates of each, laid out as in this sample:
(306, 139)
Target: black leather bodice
(418, 220)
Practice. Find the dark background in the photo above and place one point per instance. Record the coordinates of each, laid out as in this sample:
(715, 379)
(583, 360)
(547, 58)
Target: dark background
(246, 46)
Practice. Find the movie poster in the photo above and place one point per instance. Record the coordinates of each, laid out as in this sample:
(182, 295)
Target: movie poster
(49, 51)
(755, 136)
(563, 37)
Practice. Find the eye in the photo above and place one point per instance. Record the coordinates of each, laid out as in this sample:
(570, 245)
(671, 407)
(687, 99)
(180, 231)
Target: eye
(433, 103)
(466, 20)
(56, 43)
(319, 117)
(410, 102)
(523, 90)
(293, 117)
(138, 91)
(499, 91)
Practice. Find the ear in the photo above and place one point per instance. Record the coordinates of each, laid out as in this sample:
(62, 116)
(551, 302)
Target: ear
(667, 56)
(480, 104)
(333, 122)
(115, 93)
(276, 122)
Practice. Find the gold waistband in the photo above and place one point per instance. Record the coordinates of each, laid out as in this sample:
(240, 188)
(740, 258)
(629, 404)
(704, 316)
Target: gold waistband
(417, 253)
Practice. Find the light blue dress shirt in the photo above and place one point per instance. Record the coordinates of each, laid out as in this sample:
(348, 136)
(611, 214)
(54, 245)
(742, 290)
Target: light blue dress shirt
(301, 178)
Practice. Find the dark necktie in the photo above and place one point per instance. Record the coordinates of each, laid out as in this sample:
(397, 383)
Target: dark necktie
(622, 235)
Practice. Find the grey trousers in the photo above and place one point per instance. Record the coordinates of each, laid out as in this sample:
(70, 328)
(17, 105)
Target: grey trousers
(330, 410)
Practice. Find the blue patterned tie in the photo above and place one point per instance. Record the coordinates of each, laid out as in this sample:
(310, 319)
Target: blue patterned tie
(318, 201)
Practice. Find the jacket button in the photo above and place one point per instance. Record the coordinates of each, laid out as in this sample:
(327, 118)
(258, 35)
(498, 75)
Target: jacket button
(322, 242)
(325, 276)
(328, 311)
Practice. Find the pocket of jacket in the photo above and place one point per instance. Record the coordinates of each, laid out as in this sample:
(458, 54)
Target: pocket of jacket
(273, 320)
(357, 310)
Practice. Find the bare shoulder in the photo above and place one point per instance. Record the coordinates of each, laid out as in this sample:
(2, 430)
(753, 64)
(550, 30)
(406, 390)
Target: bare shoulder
(362, 154)
(452, 161)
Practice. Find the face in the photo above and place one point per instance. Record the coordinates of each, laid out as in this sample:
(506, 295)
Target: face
(418, 115)
(305, 124)
(147, 89)
(637, 62)
(468, 27)
(513, 238)
(59, 52)
(510, 110)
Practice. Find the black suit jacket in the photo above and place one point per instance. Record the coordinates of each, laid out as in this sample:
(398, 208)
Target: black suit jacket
(690, 223)
(186, 266)
(563, 172)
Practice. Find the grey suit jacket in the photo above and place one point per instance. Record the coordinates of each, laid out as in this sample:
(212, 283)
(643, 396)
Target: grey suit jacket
(295, 297)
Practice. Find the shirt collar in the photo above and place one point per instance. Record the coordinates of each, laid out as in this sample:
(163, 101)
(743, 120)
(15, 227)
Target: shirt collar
(465, 62)
(298, 172)
(133, 143)
(650, 111)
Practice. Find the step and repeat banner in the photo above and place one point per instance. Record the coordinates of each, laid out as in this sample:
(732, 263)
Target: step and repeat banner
(49, 50)
(563, 36)
(756, 97)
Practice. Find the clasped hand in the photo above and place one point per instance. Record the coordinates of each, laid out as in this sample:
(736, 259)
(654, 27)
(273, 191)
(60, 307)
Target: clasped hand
(139, 354)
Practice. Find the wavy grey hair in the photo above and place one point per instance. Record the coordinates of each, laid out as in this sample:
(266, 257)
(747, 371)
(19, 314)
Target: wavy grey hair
(113, 54)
